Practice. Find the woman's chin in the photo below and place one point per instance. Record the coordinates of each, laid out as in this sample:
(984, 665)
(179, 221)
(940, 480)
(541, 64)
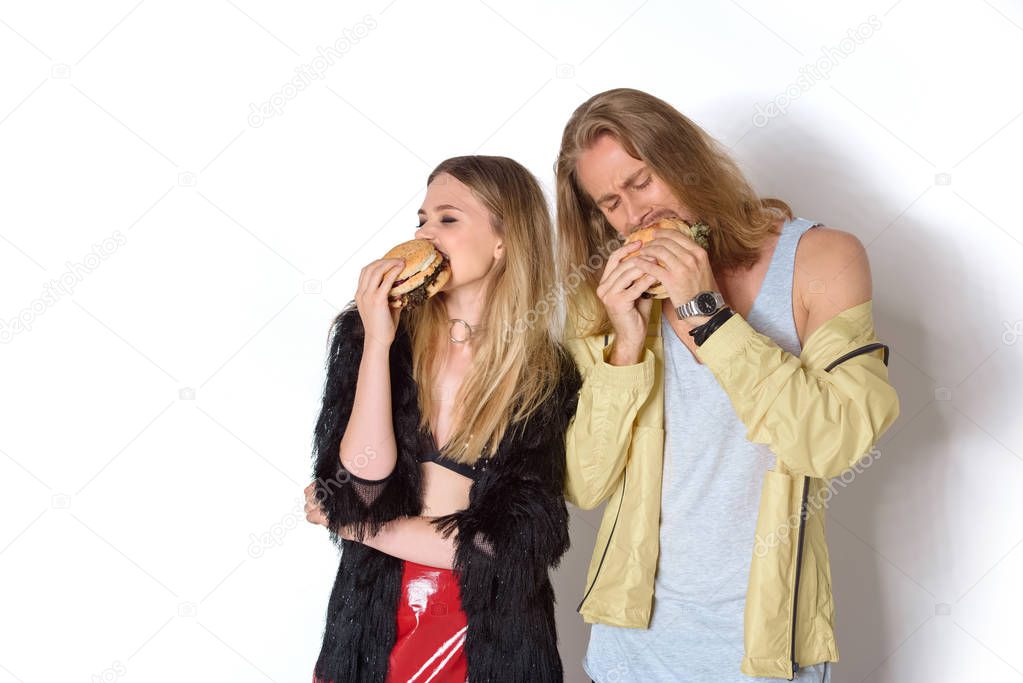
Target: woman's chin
(455, 285)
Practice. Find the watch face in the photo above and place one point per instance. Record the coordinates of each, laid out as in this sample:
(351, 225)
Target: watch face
(706, 303)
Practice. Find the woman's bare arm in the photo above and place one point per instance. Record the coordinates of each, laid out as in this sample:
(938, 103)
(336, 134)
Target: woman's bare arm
(368, 448)
(414, 539)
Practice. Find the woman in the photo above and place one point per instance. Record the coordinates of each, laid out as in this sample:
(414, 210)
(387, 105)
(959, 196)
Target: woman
(446, 551)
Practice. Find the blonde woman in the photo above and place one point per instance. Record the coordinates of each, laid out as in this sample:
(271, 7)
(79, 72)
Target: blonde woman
(446, 548)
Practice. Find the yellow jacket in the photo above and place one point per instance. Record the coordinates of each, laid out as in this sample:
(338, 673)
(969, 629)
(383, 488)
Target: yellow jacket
(819, 413)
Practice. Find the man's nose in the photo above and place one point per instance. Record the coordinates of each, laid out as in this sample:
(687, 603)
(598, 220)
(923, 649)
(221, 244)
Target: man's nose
(635, 213)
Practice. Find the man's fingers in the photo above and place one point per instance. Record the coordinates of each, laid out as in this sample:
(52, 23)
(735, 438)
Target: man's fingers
(667, 258)
(658, 271)
(676, 236)
(626, 279)
(638, 286)
(675, 240)
(612, 277)
(617, 255)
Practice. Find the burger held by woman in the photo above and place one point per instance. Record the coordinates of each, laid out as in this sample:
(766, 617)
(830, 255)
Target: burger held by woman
(440, 446)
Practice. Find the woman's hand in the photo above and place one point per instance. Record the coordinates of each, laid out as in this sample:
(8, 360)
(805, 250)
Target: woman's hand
(379, 318)
(313, 510)
(619, 290)
(314, 513)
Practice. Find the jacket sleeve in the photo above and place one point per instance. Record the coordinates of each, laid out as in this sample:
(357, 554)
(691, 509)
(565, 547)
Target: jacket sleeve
(349, 501)
(516, 525)
(819, 417)
(598, 439)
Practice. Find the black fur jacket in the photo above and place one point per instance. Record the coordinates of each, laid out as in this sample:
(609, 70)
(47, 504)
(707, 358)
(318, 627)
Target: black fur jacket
(514, 530)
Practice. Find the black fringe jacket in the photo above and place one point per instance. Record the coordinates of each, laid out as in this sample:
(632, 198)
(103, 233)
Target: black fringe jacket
(514, 530)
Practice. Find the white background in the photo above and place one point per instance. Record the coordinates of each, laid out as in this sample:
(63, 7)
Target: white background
(157, 412)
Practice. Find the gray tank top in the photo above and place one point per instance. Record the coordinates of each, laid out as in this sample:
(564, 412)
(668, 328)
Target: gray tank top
(710, 497)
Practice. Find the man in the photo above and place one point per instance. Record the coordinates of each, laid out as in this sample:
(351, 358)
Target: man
(709, 421)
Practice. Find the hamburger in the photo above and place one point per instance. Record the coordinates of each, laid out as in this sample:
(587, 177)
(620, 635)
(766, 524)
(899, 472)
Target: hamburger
(425, 272)
(696, 231)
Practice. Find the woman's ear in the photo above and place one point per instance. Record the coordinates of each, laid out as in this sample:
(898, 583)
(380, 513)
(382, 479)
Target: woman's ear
(499, 251)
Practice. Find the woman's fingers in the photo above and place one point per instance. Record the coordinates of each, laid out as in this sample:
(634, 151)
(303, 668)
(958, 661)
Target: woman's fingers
(375, 274)
(312, 506)
(375, 284)
(379, 272)
(391, 273)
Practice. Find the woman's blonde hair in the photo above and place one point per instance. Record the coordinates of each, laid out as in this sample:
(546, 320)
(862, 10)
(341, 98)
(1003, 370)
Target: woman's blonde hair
(515, 363)
(695, 167)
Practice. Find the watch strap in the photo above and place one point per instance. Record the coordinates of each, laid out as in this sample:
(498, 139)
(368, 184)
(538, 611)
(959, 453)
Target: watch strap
(700, 333)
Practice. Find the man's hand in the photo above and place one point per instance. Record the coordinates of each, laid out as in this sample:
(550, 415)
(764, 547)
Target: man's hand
(682, 266)
(619, 290)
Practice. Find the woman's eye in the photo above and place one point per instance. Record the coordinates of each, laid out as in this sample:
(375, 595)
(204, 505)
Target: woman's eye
(445, 219)
(645, 183)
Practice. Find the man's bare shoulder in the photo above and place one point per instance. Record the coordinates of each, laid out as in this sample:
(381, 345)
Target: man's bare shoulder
(832, 273)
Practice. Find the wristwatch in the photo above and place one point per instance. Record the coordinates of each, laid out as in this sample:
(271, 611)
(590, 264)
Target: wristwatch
(704, 303)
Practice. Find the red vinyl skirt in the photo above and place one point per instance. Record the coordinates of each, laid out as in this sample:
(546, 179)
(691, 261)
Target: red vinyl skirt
(430, 645)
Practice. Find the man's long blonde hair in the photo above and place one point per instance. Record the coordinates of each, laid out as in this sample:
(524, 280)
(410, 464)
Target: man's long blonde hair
(696, 168)
(515, 364)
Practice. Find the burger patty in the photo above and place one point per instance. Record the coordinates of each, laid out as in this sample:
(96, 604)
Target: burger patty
(418, 295)
(408, 277)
